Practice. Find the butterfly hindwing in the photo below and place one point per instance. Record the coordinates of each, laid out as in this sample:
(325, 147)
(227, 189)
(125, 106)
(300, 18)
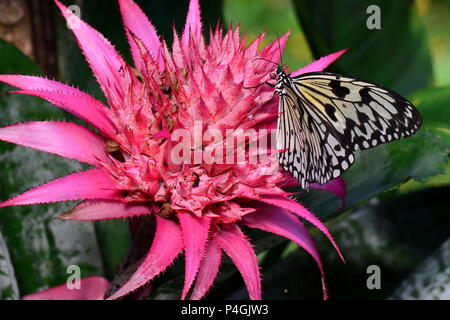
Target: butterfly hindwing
(326, 117)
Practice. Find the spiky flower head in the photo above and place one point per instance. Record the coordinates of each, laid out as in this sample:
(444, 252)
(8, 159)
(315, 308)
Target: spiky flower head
(166, 146)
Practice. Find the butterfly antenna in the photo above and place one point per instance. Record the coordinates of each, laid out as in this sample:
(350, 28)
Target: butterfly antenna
(265, 60)
(279, 48)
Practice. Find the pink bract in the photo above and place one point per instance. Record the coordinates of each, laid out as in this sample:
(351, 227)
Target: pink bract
(199, 208)
(91, 288)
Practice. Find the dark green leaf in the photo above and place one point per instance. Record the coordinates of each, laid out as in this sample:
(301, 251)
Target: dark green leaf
(113, 239)
(395, 56)
(435, 15)
(376, 170)
(434, 107)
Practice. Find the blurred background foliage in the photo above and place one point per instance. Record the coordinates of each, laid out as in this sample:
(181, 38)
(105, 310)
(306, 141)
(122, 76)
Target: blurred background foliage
(397, 214)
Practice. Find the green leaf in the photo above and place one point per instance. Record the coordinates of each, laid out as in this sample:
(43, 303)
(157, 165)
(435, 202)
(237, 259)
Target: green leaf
(41, 247)
(433, 104)
(439, 180)
(395, 56)
(434, 108)
(114, 240)
(382, 168)
(275, 18)
(435, 15)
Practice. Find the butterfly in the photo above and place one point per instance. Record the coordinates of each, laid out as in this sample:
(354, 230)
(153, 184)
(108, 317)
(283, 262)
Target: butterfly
(324, 118)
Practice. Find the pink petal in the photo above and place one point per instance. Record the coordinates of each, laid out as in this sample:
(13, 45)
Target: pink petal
(66, 139)
(66, 97)
(335, 186)
(104, 209)
(137, 22)
(236, 246)
(320, 64)
(283, 223)
(91, 288)
(288, 182)
(166, 246)
(193, 24)
(105, 61)
(90, 184)
(163, 134)
(297, 208)
(274, 51)
(195, 236)
(208, 270)
(251, 50)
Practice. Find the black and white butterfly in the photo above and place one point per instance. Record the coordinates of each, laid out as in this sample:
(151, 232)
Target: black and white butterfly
(325, 117)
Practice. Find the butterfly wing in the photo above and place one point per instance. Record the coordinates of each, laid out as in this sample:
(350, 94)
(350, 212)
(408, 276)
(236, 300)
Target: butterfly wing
(306, 148)
(362, 113)
(345, 114)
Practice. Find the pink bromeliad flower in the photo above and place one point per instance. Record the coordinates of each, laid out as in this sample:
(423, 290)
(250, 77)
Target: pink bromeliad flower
(198, 207)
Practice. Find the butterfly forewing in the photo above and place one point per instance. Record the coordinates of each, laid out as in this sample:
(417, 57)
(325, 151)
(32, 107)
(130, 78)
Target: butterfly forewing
(326, 117)
(363, 114)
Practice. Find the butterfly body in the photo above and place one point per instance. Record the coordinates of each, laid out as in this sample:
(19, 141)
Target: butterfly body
(324, 118)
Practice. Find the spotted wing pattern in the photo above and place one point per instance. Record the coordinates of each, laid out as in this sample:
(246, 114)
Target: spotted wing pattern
(325, 118)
